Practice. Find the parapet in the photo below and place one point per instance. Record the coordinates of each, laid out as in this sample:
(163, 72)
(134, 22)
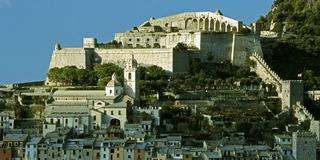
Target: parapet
(304, 134)
(57, 47)
(89, 43)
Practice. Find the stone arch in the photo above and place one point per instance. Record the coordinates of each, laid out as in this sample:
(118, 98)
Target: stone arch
(228, 29)
(201, 24)
(115, 123)
(223, 27)
(234, 29)
(211, 25)
(191, 24)
(206, 24)
(217, 26)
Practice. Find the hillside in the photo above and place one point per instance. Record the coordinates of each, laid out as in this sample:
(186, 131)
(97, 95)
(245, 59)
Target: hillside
(297, 49)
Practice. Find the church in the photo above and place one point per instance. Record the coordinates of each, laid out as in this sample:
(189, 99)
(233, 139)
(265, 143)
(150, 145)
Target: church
(87, 110)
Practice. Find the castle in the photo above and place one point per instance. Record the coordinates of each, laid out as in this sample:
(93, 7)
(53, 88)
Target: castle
(206, 34)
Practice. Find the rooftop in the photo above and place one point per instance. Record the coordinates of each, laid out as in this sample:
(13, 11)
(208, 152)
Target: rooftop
(7, 113)
(67, 111)
(90, 94)
(15, 137)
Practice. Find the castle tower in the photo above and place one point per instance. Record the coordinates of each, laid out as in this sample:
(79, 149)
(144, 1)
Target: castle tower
(131, 78)
(113, 87)
(304, 145)
(57, 47)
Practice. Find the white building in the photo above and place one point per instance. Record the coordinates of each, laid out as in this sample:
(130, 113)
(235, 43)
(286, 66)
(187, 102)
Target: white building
(114, 87)
(7, 119)
(31, 149)
(112, 114)
(131, 78)
(154, 112)
(76, 117)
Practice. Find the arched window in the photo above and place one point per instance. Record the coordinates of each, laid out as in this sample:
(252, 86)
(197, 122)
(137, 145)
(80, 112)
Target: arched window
(130, 76)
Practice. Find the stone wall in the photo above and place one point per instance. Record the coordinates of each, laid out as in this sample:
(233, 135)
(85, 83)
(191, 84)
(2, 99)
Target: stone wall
(161, 57)
(302, 113)
(192, 39)
(290, 91)
(265, 73)
(139, 39)
(243, 45)
(315, 128)
(78, 57)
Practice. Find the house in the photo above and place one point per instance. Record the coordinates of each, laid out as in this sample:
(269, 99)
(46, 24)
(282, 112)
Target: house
(17, 143)
(31, 148)
(77, 117)
(7, 119)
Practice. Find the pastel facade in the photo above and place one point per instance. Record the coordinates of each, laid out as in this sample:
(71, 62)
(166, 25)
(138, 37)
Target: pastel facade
(7, 119)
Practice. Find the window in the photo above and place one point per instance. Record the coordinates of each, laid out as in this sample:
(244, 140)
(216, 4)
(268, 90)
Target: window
(94, 118)
(87, 153)
(138, 40)
(118, 155)
(130, 39)
(76, 120)
(130, 76)
(110, 91)
(112, 151)
(51, 120)
(66, 121)
(119, 112)
(104, 156)
(111, 113)
(148, 39)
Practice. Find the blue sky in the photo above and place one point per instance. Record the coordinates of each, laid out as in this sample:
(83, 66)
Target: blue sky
(30, 28)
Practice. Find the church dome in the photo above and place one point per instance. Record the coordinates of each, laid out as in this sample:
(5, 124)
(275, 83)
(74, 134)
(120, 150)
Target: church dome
(113, 82)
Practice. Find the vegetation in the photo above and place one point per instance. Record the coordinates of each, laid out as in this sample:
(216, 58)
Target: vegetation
(298, 48)
(99, 75)
(207, 75)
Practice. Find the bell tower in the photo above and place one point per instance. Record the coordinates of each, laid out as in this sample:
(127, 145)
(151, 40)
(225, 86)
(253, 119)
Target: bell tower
(131, 78)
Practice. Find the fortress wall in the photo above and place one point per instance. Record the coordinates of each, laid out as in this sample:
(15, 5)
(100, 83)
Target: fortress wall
(70, 57)
(160, 57)
(172, 39)
(217, 44)
(141, 39)
(180, 62)
(244, 45)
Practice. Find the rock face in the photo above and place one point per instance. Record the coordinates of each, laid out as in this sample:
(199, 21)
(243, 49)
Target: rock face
(154, 41)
